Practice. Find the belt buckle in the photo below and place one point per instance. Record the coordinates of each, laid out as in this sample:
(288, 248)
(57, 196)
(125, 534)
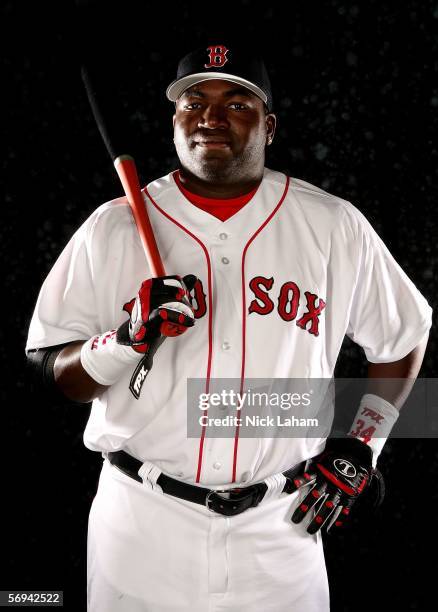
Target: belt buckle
(233, 503)
(210, 493)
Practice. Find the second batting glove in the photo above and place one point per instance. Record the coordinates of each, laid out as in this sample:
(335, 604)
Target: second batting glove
(337, 477)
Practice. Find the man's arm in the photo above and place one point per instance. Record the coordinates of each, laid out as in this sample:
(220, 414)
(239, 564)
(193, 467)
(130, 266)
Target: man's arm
(71, 378)
(344, 469)
(389, 385)
(60, 368)
(403, 372)
(83, 370)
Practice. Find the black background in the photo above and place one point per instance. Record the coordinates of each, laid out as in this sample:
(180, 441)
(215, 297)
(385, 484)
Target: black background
(356, 95)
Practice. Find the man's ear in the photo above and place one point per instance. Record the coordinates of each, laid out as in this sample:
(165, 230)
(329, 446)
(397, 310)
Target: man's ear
(173, 121)
(271, 123)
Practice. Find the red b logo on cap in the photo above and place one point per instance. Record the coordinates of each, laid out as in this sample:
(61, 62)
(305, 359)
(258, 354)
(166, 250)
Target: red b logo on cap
(217, 55)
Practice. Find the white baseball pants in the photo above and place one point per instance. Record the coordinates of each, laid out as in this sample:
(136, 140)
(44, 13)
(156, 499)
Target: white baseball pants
(149, 552)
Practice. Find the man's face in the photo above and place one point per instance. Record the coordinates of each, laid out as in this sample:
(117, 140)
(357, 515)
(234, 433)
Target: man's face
(221, 130)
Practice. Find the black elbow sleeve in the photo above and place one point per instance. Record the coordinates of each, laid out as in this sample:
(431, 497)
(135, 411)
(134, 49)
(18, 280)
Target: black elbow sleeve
(41, 362)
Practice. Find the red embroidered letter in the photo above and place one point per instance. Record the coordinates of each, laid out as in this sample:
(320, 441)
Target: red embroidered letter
(312, 313)
(199, 298)
(262, 296)
(217, 55)
(284, 300)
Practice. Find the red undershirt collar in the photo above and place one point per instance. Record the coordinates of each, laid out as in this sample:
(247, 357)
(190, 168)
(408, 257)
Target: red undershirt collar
(222, 209)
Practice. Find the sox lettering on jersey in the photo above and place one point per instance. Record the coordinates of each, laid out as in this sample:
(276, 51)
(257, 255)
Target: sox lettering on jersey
(198, 300)
(263, 297)
(217, 55)
(262, 304)
(288, 303)
(312, 313)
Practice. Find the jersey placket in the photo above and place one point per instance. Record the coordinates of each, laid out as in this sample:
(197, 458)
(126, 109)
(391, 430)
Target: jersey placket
(225, 251)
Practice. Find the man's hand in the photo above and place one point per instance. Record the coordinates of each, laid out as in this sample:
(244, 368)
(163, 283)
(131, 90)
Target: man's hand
(336, 477)
(161, 308)
(84, 370)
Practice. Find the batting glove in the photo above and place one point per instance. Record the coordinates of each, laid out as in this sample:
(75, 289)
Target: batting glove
(162, 308)
(337, 477)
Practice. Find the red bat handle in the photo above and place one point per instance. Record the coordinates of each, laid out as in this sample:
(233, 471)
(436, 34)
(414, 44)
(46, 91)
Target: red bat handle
(125, 167)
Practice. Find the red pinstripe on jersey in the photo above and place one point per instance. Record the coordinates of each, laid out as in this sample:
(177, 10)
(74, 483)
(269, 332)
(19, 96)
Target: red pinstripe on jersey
(210, 321)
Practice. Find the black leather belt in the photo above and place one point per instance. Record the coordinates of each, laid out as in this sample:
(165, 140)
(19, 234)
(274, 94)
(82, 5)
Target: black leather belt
(223, 501)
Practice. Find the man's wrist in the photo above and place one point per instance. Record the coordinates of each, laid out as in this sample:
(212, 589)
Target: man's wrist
(373, 423)
(105, 360)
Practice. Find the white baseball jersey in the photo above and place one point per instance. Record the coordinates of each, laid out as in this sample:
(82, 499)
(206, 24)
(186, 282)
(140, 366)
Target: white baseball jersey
(281, 283)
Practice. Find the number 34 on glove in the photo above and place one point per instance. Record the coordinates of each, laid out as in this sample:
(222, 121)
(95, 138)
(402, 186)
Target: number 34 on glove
(337, 478)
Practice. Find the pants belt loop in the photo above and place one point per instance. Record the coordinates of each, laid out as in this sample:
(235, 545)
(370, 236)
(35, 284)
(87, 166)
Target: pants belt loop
(275, 486)
(150, 473)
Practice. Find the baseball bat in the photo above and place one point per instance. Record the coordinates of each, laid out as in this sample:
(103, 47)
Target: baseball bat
(123, 162)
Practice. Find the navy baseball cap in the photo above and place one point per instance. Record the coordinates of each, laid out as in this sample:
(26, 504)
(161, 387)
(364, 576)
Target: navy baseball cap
(226, 62)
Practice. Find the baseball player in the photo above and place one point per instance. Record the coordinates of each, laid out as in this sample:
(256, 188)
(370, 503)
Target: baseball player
(267, 274)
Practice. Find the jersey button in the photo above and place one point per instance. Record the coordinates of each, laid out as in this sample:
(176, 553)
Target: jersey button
(223, 236)
(217, 465)
(225, 260)
(226, 345)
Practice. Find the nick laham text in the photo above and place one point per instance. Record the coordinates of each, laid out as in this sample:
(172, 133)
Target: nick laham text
(257, 421)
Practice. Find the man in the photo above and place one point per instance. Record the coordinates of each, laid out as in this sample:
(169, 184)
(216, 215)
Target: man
(276, 272)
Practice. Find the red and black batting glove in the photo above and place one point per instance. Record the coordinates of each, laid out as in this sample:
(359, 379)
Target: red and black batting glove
(337, 477)
(161, 309)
